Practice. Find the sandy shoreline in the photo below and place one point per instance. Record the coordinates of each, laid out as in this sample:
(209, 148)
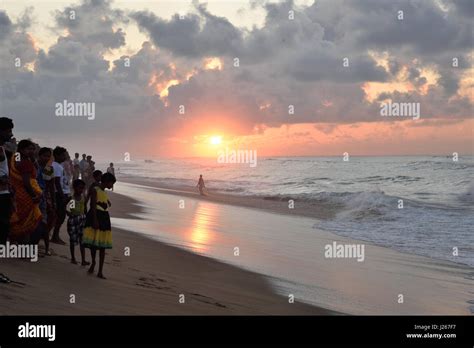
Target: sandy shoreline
(151, 279)
(148, 282)
(276, 205)
(284, 245)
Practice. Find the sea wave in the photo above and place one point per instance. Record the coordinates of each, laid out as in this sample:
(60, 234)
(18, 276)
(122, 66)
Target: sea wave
(418, 228)
(363, 195)
(449, 164)
(468, 195)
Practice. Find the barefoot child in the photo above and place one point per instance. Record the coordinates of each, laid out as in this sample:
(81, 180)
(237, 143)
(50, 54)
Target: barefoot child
(97, 175)
(98, 233)
(75, 210)
(111, 170)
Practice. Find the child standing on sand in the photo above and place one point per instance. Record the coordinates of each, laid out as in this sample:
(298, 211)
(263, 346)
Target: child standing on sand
(97, 175)
(75, 210)
(98, 233)
(111, 170)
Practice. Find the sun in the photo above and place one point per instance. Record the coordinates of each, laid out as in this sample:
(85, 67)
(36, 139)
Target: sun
(215, 140)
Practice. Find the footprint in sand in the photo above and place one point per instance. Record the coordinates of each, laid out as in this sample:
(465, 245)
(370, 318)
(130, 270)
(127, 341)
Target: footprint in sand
(154, 277)
(151, 283)
(208, 300)
(116, 261)
(6, 297)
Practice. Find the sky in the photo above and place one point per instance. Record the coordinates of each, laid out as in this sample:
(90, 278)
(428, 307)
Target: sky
(284, 78)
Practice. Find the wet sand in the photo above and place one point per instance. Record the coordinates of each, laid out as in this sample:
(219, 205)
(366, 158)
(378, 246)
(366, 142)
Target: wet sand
(278, 205)
(158, 270)
(290, 251)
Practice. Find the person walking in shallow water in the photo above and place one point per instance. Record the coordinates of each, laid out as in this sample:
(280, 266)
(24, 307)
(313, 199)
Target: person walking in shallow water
(201, 186)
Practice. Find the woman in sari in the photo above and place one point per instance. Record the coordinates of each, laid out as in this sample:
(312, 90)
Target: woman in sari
(27, 217)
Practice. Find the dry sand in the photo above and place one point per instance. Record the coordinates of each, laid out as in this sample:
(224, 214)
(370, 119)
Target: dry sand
(148, 282)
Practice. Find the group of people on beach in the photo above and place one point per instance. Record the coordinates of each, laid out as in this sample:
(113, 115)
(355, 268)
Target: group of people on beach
(40, 187)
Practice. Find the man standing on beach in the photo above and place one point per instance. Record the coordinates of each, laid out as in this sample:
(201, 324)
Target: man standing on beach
(83, 166)
(75, 167)
(6, 199)
(90, 170)
(62, 191)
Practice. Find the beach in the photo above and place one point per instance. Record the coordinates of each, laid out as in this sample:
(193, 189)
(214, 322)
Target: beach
(184, 243)
(289, 249)
(289, 172)
(148, 282)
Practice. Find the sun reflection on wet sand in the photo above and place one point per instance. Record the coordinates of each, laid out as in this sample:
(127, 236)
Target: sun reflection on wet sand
(201, 234)
(290, 252)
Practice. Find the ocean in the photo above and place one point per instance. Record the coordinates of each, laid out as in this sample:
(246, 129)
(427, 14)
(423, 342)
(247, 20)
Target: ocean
(420, 205)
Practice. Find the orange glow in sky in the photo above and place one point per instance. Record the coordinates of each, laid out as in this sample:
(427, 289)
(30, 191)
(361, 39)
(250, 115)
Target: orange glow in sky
(163, 88)
(213, 63)
(363, 138)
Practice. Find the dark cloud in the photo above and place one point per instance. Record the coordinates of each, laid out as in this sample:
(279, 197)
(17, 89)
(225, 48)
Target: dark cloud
(195, 35)
(285, 62)
(5, 24)
(428, 32)
(463, 7)
(316, 65)
(450, 83)
(92, 23)
(374, 24)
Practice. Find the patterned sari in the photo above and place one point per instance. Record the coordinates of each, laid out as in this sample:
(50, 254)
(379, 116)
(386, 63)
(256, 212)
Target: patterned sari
(25, 220)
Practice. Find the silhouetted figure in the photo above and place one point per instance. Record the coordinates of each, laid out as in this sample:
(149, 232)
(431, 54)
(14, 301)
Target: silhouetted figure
(201, 185)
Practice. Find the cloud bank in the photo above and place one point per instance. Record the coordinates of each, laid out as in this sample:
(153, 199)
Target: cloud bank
(332, 61)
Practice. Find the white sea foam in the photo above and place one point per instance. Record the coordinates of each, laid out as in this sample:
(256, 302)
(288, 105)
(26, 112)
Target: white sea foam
(437, 195)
